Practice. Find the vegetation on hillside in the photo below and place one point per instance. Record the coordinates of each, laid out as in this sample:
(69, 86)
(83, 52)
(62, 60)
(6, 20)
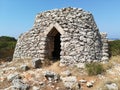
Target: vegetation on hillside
(114, 48)
(7, 45)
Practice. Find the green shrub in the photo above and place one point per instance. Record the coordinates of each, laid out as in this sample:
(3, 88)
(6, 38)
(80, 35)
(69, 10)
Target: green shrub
(7, 45)
(7, 39)
(114, 48)
(94, 68)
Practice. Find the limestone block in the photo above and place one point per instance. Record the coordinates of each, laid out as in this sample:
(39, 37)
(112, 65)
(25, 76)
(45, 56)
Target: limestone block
(11, 77)
(112, 86)
(104, 58)
(51, 76)
(24, 67)
(36, 63)
(20, 85)
(71, 82)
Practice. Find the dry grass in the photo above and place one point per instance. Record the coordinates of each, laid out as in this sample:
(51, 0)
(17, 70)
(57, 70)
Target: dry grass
(79, 73)
(113, 60)
(107, 65)
(101, 85)
(19, 62)
(109, 78)
(55, 67)
(94, 68)
(46, 63)
(4, 84)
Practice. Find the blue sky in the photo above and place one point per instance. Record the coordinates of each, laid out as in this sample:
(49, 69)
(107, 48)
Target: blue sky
(17, 16)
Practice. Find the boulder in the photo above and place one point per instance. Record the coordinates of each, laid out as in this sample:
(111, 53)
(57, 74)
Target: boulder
(51, 76)
(24, 67)
(71, 83)
(11, 77)
(89, 84)
(18, 84)
(111, 86)
(36, 63)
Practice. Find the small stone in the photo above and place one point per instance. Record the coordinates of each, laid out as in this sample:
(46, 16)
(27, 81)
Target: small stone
(35, 88)
(52, 86)
(112, 86)
(36, 63)
(18, 84)
(66, 73)
(89, 84)
(24, 67)
(105, 58)
(11, 77)
(57, 88)
(41, 83)
(2, 79)
(92, 82)
(9, 88)
(80, 65)
(71, 82)
(51, 76)
(83, 81)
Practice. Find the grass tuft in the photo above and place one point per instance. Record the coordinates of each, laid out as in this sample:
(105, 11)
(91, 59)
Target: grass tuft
(94, 68)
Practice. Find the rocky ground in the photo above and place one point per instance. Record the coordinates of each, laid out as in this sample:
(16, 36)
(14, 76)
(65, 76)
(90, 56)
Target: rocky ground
(26, 75)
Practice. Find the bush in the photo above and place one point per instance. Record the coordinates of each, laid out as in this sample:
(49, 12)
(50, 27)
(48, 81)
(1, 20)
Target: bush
(7, 39)
(94, 68)
(114, 48)
(7, 45)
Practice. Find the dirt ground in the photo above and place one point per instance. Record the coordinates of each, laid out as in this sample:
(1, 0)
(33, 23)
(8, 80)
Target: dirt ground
(112, 73)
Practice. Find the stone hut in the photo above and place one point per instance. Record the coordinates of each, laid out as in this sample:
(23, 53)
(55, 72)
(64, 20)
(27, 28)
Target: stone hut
(68, 34)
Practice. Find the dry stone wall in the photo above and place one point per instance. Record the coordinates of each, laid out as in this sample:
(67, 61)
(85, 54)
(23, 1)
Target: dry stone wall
(80, 39)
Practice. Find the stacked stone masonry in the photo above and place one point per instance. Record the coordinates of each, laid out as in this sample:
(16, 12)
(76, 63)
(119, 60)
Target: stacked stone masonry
(76, 32)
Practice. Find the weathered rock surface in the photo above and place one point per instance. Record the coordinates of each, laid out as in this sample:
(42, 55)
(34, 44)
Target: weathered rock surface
(83, 81)
(66, 73)
(18, 84)
(11, 77)
(51, 76)
(35, 88)
(89, 84)
(71, 83)
(24, 67)
(36, 63)
(112, 86)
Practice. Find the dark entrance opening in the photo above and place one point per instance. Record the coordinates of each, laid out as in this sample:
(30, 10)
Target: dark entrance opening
(56, 52)
(53, 45)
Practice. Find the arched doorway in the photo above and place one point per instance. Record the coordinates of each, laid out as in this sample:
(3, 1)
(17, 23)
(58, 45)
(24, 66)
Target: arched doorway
(53, 44)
